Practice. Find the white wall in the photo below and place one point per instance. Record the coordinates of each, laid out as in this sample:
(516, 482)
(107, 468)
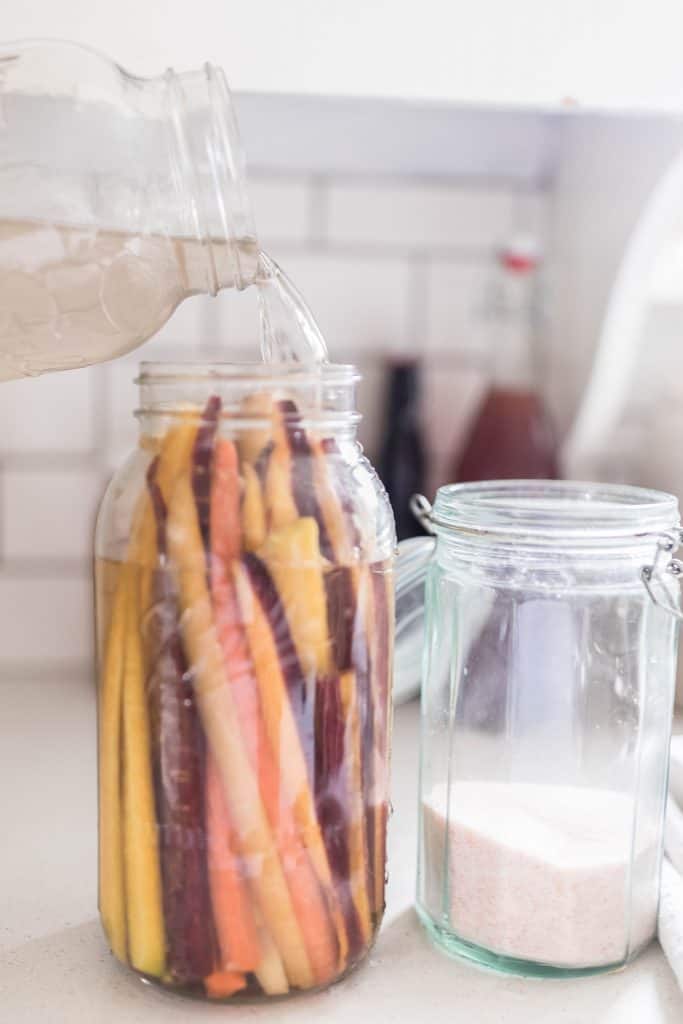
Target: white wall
(606, 169)
(620, 54)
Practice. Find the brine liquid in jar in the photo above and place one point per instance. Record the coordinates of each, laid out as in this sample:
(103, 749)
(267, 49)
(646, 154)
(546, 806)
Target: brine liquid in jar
(246, 635)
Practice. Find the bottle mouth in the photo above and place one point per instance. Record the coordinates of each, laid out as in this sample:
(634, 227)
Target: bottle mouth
(210, 172)
(554, 513)
(322, 392)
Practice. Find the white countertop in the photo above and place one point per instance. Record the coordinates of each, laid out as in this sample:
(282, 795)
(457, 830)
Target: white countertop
(55, 966)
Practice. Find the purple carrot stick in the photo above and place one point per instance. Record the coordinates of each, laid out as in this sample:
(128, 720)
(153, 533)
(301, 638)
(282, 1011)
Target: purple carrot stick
(202, 460)
(178, 747)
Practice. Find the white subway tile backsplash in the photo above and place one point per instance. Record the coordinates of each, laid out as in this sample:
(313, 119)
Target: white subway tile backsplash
(45, 618)
(451, 394)
(186, 330)
(122, 401)
(456, 297)
(361, 304)
(49, 514)
(282, 209)
(232, 326)
(54, 414)
(371, 403)
(420, 215)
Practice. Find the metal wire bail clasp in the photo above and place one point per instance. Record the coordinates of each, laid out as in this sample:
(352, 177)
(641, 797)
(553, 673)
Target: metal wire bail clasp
(421, 508)
(664, 564)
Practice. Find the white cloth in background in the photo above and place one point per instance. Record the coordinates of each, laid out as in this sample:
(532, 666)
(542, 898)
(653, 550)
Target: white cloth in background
(670, 924)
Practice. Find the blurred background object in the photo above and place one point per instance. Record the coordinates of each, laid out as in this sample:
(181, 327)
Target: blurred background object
(403, 459)
(512, 435)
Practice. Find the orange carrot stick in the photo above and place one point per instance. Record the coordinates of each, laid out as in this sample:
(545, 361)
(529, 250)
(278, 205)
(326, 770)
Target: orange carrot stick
(225, 502)
(307, 898)
(222, 984)
(233, 916)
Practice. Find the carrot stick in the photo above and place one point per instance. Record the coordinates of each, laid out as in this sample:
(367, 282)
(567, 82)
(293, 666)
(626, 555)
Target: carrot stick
(178, 759)
(371, 646)
(356, 808)
(221, 725)
(270, 973)
(284, 741)
(175, 452)
(235, 924)
(337, 523)
(307, 897)
(223, 984)
(253, 510)
(146, 938)
(292, 555)
(174, 456)
(332, 799)
(224, 518)
(288, 427)
(111, 871)
(281, 508)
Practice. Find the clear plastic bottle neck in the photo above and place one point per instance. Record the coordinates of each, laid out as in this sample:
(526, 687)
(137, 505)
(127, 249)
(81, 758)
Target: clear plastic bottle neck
(208, 167)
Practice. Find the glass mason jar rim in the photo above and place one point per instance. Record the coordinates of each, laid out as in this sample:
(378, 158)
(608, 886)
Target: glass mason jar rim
(327, 389)
(554, 512)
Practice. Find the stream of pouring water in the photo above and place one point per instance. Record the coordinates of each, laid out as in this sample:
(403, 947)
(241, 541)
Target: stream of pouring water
(289, 332)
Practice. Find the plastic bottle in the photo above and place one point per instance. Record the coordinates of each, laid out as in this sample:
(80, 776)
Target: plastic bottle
(119, 197)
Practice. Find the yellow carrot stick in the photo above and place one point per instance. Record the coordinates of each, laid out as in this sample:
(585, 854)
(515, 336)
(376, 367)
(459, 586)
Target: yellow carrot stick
(175, 454)
(253, 510)
(270, 973)
(174, 458)
(111, 877)
(281, 508)
(292, 555)
(221, 725)
(146, 938)
(334, 517)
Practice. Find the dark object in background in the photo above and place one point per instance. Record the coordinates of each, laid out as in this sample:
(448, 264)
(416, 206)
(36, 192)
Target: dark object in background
(402, 461)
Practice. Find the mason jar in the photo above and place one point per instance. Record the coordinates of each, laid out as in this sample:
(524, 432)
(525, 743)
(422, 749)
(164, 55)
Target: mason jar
(547, 700)
(245, 623)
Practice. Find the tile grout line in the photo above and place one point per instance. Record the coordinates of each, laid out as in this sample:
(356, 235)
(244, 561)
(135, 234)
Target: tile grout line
(457, 182)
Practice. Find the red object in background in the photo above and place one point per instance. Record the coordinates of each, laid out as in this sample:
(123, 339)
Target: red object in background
(512, 436)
